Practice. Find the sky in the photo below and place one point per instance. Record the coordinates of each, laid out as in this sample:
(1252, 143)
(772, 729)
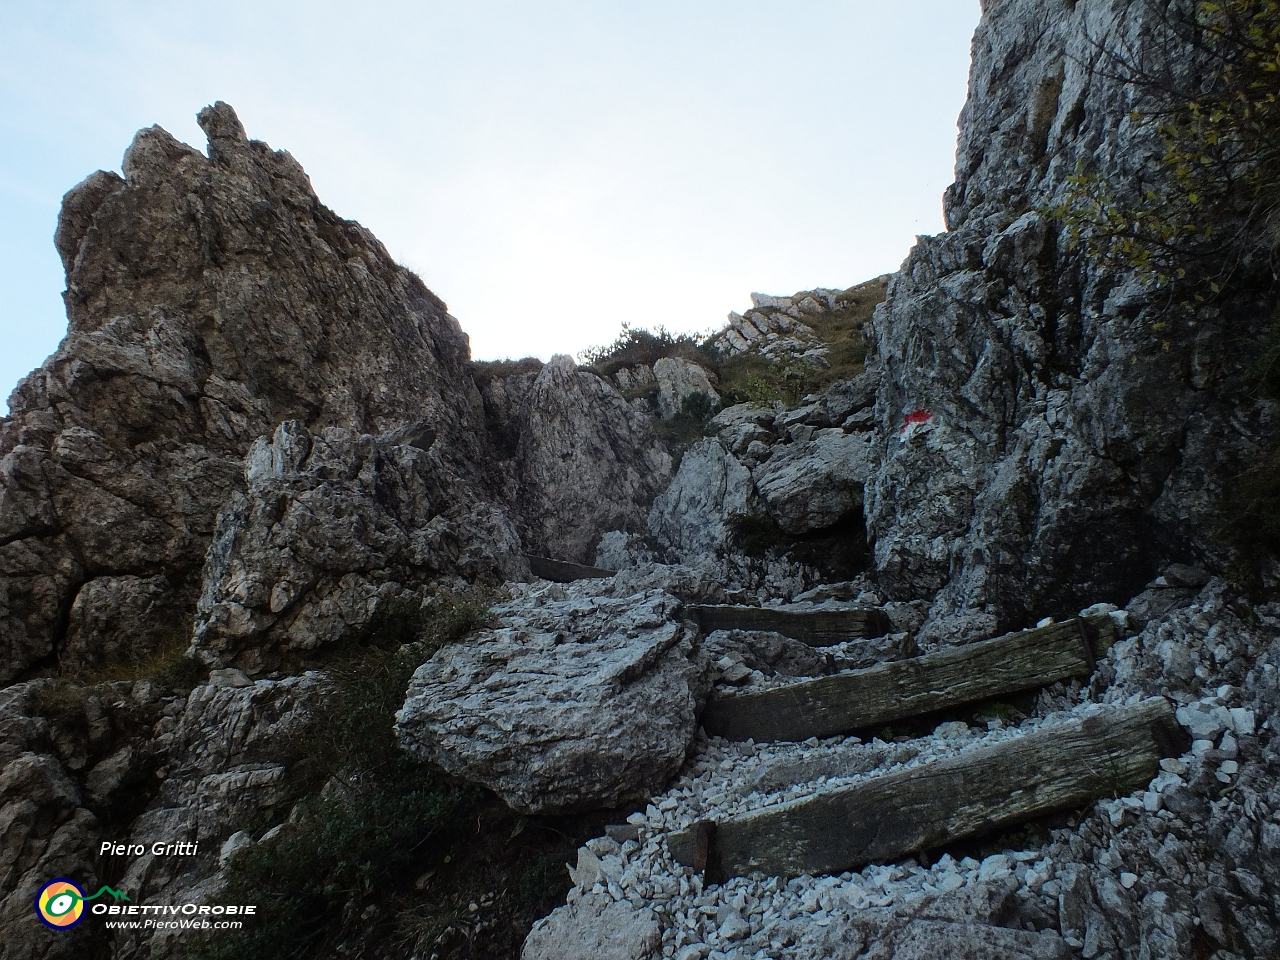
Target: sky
(551, 170)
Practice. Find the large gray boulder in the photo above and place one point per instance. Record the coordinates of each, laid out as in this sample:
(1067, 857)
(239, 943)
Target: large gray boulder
(209, 298)
(573, 701)
(678, 380)
(331, 528)
(695, 514)
(596, 928)
(812, 484)
(586, 462)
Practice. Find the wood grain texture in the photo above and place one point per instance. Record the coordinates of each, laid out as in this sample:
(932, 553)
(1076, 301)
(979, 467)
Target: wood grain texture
(818, 628)
(885, 818)
(562, 571)
(850, 701)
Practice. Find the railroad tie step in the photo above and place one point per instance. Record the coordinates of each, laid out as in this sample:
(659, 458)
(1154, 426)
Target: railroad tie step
(1060, 766)
(818, 628)
(562, 571)
(858, 699)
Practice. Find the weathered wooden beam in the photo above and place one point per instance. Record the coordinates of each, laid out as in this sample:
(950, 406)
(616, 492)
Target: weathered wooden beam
(562, 571)
(905, 688)
(818, 628)
(886, 818)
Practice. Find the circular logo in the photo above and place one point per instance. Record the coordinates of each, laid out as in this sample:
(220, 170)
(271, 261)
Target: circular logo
(60, 904)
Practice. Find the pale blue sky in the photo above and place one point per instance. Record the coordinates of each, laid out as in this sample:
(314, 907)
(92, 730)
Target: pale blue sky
(551, 169)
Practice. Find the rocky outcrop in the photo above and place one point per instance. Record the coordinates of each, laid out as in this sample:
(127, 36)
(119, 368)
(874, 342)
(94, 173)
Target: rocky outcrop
(775, 327)
(812, 484)
(680, 382)
(586, 462)
(696, 513)
(333, 527)
(576, 700)
(136, 763)
(228, 751)
(71, 763)
(1047, 431)
(209, 299)
(799, 472)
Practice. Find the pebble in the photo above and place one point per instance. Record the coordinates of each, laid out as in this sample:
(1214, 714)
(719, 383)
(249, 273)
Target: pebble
(768, 918)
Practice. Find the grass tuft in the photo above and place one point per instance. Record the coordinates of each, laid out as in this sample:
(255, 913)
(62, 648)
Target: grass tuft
(382, 855)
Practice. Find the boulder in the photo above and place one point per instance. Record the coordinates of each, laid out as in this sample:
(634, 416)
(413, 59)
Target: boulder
(572, 702)
(586, 462)
(695, 514)
(332, 527)
(678, 380)
(596, 928)
(811, 485)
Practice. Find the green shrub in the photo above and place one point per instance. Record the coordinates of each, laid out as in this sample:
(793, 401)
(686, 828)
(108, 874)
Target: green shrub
(1210, 221)
(371, 822)
(635, 345)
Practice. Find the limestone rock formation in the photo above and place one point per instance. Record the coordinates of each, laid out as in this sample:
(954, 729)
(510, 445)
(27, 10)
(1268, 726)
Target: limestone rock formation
(210, 298)
(575, 701)
(680, 380)
(1047, 430)
(333, 526)
(695, 514)
(596, 928)
(60, 778)
(812, 484)
(586, 462)
(775, 327)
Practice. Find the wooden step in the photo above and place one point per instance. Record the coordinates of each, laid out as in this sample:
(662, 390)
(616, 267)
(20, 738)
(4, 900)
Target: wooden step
(882, 819)
(818, 628)
(891, 691)
(562, 571)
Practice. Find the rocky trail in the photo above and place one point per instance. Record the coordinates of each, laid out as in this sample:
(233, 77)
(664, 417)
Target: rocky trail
(847, 846)
(905, 621)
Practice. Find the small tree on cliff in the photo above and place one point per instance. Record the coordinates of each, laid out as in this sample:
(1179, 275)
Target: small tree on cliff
(1212, 218)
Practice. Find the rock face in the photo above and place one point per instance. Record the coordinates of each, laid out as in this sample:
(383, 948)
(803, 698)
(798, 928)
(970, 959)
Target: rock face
(586, 462)
(331, 528)
(209, 299)
(811, 485)
(695, 514)
(775, 327)
(679, 381)
(798, 472)
(577, 700)
(1046, 432)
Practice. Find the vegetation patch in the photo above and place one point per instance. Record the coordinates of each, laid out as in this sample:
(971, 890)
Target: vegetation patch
(1209, 222)
(487, 370)
(166, 665)
(750, 377)
(382, 855)
(636, 345)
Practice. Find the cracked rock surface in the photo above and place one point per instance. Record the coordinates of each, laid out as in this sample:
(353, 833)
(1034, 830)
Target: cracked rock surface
(577, 699)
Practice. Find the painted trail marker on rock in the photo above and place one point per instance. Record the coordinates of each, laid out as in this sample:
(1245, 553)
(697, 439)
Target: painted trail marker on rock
(857, 699)
(881, 819)
(818, 628)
